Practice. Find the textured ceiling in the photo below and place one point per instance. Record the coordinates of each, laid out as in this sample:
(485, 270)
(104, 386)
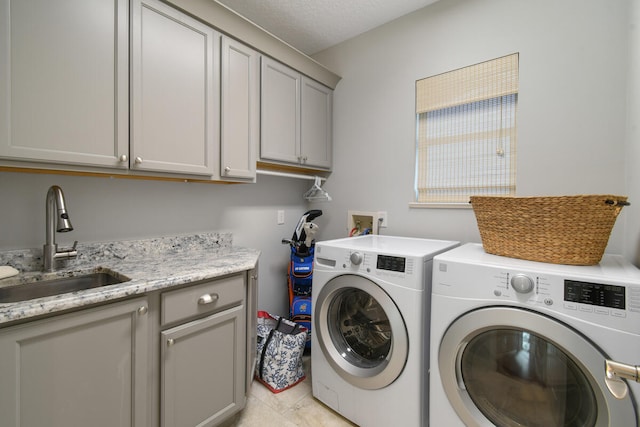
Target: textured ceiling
(315, 25)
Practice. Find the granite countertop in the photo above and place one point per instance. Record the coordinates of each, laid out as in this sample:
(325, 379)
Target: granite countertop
(151, 265)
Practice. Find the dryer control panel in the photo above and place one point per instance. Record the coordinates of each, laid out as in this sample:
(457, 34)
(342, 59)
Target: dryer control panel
(605, 294)
(596, 294)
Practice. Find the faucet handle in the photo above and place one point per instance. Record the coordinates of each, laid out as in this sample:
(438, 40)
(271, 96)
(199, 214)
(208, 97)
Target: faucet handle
(69, 253)
(72, 253)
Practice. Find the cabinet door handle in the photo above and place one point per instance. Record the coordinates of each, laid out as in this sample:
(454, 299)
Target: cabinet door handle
(170, 342)
(208, 299)
(227, 170)
(138, 160)
(123, 158)
(142, 310)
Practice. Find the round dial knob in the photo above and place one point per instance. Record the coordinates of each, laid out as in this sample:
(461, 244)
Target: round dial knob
(356, 258)
(522, 283)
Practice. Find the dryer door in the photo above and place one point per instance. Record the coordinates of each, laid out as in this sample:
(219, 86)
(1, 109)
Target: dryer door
(360, 331)
(508, 367)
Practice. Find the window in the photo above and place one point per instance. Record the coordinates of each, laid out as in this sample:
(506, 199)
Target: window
(466, 132)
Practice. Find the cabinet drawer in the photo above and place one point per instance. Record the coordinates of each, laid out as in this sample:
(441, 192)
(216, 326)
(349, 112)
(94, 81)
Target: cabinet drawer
(204, 298)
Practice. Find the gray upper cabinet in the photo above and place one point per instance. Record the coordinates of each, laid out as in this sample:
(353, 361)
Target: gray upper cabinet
(88, 368)
(296, 115)
(280, 113)
(175, 91)
(240, 112)
(316, 124)
(138, 87)
(64, 81)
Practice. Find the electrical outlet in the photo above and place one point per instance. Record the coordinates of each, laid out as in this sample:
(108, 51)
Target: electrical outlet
(280, 217)
(382, 219)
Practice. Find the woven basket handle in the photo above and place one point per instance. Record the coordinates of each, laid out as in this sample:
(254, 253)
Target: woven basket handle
(617, 202)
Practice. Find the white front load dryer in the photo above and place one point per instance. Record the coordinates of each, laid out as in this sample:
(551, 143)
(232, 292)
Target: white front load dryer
(370, 331)
(523, 343)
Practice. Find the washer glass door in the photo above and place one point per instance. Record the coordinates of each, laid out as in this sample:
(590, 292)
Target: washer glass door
(509, 367)
(360, 331)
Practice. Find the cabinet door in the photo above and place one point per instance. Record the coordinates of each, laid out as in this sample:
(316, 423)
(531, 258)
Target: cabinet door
(252, 326)
(240, 112)
(316, 124)
(175, 88)
(280, 121)
(202, 370)
(82, 369)
(64, 81)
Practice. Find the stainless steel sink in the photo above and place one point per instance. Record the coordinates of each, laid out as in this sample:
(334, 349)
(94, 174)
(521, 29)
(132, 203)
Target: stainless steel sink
(64, 285)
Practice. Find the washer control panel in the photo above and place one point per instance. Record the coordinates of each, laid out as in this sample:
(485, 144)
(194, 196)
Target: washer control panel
(408, 271)
(368, 262)
(391, 263)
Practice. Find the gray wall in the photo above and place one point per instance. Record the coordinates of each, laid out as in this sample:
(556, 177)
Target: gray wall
(105, 209)
(578, 133)
(632, 164)
(571, 118)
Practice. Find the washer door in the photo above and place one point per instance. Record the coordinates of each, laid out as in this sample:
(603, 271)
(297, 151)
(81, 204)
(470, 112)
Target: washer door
(508, 367)
(360, 331)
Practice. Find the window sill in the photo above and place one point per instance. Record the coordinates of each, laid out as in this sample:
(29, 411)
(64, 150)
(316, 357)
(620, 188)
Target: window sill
(440, 205)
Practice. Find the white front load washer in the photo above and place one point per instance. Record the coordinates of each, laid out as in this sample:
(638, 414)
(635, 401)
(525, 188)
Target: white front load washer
(522, 343)
(370, 331)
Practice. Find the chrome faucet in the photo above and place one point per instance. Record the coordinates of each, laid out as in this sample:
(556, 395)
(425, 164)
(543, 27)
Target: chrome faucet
(55, 207)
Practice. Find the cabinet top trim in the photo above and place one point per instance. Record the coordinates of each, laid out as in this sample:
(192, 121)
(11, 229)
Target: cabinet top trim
(229, 22)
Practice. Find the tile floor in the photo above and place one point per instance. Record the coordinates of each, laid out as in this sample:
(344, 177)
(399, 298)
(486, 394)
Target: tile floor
(294, 407)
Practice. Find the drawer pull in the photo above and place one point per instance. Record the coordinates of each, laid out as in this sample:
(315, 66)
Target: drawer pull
(170, 342)
(208, 299)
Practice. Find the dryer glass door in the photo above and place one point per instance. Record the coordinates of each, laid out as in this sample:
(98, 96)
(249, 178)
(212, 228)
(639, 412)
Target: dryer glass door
(518, 378)
(360, 331)
(508, 367)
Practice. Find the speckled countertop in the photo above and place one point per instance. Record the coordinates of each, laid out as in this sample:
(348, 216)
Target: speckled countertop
(150, 264)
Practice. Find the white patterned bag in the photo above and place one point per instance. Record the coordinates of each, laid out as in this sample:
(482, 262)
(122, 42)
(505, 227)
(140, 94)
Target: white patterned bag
(280, 347)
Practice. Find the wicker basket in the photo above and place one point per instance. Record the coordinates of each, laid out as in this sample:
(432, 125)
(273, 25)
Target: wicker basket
(559, 230)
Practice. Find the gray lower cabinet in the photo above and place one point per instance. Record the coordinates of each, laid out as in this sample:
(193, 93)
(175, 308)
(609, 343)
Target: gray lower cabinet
(202, 370)
(177, 358)
(203, 352)
(87, 368)
(252, 326)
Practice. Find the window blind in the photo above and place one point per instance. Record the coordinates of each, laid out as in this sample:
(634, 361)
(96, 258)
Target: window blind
(466, 132)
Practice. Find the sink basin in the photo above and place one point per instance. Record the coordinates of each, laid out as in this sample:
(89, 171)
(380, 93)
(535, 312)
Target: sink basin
(47, 288)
